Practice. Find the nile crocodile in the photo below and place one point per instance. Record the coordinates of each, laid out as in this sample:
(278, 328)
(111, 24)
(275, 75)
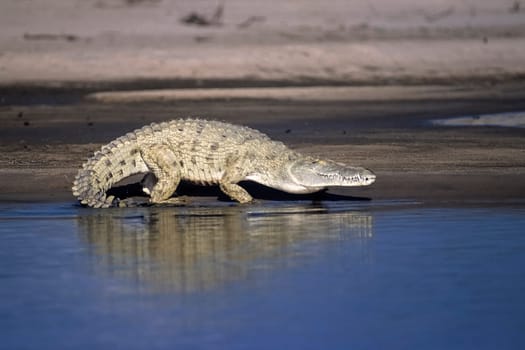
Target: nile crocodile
(207, 153)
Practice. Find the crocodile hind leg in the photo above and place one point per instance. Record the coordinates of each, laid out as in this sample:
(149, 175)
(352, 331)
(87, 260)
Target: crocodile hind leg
(163, 164)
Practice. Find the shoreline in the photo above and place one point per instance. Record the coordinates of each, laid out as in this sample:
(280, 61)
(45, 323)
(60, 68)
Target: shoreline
(448, 190)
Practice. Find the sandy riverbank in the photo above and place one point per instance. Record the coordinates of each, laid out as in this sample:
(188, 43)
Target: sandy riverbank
(356, 81)
(300, 42)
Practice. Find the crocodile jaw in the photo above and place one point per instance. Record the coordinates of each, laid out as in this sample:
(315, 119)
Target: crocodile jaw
(318, 174)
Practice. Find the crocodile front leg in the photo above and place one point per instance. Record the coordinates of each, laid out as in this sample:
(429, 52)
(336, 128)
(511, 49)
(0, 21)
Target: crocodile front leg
(161, 161)
(235, 192)
(228, 183)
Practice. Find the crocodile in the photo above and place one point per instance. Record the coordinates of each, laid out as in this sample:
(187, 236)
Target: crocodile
(206, 153)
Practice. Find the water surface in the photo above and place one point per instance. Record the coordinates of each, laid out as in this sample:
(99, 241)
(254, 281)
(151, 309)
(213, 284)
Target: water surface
(294, 275)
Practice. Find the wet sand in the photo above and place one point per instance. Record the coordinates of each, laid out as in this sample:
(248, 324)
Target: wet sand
(44, 143)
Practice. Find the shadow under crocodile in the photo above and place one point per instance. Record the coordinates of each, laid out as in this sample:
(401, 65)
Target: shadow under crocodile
(256, 190)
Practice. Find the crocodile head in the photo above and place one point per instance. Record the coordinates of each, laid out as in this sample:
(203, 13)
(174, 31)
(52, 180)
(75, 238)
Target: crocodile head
(316, 174)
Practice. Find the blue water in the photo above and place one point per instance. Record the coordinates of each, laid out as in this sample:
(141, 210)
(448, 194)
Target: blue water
(339, 275)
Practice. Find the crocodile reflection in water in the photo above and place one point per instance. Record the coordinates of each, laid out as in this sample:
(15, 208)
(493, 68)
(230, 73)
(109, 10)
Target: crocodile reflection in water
(191, 249)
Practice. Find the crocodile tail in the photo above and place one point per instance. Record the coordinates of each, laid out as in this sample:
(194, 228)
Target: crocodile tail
(112, 163)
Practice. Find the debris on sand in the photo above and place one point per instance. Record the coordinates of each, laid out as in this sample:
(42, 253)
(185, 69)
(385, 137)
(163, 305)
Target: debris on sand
(195, 18)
